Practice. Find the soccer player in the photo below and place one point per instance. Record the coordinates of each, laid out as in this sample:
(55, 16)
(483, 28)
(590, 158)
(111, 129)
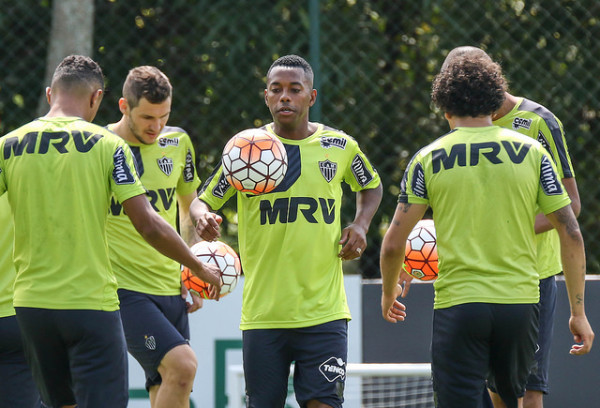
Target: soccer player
(17, 388)
(484, 184)
(291, 247)
(152, 298)
(59, 172)
(534, 120)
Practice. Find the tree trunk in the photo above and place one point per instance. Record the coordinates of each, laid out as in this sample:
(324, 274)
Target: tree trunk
(71, 33)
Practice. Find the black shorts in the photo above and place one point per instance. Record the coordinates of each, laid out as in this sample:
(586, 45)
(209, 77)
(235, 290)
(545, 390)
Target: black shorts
(77, 356)
(153, 326)
(17, 388)
(538, 378)
(475, 341)
(319, 353)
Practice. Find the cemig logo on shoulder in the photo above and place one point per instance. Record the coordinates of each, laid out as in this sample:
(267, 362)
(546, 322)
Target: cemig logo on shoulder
(328, 141)
(164, 142)
(333, 368)
(521, 123)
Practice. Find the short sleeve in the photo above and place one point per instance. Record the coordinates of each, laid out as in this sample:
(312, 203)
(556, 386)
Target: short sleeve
(551, 193)
(216, 190)
(189, 180)
(124, 181)
(360, 174)
(413, 188)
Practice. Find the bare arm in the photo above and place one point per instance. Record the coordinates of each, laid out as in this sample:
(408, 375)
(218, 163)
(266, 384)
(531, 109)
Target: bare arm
(542, 224)
(573, 260)
(186, 227)
(392, 257)
(188, 233)
(159, 233)
(354, 236)
(206, 222)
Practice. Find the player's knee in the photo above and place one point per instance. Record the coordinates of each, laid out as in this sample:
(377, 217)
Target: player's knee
(179, 365)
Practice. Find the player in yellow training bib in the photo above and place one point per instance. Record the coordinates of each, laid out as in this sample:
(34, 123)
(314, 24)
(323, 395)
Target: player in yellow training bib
(480, 178)
(292, 246)
(153, 305)
(59, 172)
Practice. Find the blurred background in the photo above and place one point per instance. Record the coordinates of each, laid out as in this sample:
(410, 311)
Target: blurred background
(374, 63)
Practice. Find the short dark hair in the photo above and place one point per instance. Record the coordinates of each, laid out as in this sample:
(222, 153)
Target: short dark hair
(469, 86)
(146, 82)
(77, 71)
(293, 61)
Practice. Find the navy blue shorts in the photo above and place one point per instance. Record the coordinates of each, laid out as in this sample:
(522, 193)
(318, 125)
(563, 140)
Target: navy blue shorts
(17, 388)
(319, 353)
(538, 378)
(153, 326)
(76, 356)
(475, 341)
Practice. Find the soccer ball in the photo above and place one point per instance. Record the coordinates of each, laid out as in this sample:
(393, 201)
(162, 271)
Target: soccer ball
(216, 253)
(421, 257)
(254, 161)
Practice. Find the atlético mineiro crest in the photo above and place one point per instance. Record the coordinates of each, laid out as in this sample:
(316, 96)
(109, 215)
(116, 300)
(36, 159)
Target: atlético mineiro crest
(328, 169)
(150, 342)
(166, 165)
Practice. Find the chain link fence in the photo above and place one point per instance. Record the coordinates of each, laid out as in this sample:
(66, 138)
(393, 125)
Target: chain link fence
(375, 60)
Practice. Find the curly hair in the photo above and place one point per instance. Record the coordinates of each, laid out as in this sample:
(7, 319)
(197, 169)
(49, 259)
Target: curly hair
(78, 71)
(469, 86)
(293, 61)
(146, 82)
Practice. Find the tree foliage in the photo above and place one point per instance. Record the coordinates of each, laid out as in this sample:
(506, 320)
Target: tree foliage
(377, 61)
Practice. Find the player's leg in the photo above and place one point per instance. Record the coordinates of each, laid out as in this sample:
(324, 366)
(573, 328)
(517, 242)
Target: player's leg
(460, 354)
(537, 383)
(17, 388)
(177, 370)
(320, 353)
(97, 356)
(157, 334)
(46, 355)
(267, 360)
(513, 347)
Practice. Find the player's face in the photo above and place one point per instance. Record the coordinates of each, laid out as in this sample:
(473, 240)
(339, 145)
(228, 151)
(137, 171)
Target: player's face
(147, 120)
(289, 95)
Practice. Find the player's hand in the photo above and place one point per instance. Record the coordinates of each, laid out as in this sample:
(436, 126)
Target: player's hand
(197, 301)
(582, 333)
(404, 280)
(207, 226)
(210, 274)
(354, 241)
(391, 309)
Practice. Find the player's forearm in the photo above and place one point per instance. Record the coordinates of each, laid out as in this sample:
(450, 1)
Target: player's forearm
(187, 230)
(197, 209)
(573, 256)
(573, 260)
(158, 232)
(367, 203)
(390, 262)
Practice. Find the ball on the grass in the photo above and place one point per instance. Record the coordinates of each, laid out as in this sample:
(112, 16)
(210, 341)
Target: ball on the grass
(421, 257)
(216, 253)
(254, 161)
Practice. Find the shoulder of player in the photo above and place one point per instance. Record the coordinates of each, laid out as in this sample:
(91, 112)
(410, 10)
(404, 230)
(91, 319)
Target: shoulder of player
(173, 131)
(331, 136)
(537, 112)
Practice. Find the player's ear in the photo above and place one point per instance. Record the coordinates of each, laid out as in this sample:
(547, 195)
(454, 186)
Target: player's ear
(96, 98)
(123, 105)
(266, 100)
(313, 97)
(48, 95)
